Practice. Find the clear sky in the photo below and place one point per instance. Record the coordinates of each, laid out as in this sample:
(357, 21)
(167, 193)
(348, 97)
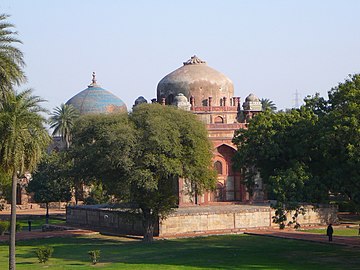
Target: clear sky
(270, 48)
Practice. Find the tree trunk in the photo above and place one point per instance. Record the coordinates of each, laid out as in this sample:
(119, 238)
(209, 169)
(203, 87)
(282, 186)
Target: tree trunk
(47, 213)
(67, 141)
(12, 262)
(76, 193)
(148, 224)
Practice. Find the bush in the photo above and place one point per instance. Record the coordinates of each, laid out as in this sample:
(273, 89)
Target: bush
(97, 195)
(18, 227)
(4, 226)
(94, 255)
(44, 253)
(348, 206)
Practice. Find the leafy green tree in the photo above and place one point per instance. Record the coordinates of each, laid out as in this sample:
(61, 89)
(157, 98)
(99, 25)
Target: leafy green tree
(284, 150)
(23, 139)
(48, 183)
(5, 187)
(101, 151)
(340, 142)
(268, 104)
(307, 154)
(11, 58)
(62, 121)
(171, 143)
(140, 157)
(97, 195)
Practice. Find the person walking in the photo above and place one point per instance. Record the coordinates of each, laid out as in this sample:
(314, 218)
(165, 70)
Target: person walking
(329, 232)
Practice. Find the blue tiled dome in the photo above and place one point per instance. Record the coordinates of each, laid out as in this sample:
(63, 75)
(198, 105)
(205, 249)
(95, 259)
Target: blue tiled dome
(95, 99)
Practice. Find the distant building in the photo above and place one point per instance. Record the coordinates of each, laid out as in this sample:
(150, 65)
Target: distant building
(95, 99)
(210, 95)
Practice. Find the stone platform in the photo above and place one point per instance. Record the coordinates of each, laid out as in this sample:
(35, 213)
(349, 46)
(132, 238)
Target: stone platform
(227, 218)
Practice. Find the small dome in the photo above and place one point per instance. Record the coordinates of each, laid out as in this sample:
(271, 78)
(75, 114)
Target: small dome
(140, 100)
(195, 78)
(252, 98)
(95, 99)
(180, 98)
(182, 102)
(252, 103)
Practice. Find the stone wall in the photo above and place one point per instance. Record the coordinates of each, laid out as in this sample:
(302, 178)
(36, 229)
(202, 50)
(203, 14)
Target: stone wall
(192, 220)
(215, 220)
(314, 215)
(105, 218)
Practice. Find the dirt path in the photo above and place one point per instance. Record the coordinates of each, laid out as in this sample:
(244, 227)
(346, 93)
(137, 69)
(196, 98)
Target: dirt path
(40, 235)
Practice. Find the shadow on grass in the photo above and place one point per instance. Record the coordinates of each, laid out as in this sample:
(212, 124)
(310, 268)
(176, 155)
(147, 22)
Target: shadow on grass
(218, 252)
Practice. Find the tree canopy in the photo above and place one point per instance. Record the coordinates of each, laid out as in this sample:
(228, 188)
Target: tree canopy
(309, 154)
(341, 139)
(139, 157)
(11, 57)
(48, 183)
(23, 139)
(268, 104)
(62, 121)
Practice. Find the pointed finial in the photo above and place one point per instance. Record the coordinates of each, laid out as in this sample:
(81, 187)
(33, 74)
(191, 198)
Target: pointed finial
(93, 81)
(94, 78)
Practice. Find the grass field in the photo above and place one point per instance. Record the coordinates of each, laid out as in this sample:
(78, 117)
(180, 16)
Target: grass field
(215, 252)
(337, 231)
(37, 222)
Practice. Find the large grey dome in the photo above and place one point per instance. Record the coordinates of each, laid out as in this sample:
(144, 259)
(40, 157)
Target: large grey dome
(195, 78)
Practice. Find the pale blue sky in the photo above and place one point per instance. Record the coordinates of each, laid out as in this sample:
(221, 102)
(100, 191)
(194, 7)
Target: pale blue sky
(270, 48)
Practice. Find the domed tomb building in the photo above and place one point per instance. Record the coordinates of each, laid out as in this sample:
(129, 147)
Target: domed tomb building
(210, 95)
(95, 99)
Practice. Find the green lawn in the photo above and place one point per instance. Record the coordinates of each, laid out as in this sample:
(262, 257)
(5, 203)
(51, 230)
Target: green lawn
(37, 222)
(337, 231)
(215, 252)
(349, 218)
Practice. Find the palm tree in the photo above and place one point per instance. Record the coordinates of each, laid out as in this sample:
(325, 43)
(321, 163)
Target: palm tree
(62, 121)
(23, 139)
(11, 58)
(268, 104)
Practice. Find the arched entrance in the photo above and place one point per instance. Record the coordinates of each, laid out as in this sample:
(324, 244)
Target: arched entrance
(229, 180)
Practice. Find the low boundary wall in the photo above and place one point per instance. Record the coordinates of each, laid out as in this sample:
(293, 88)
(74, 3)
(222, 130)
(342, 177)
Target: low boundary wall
(197, 219)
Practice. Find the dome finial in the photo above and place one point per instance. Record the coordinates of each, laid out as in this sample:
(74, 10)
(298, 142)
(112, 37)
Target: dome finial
(194, 60)
(93, 81)
(94, 78)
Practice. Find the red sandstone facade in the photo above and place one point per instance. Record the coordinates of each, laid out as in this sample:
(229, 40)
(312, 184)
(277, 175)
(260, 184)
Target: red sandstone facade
(221, 122)
(210, 95)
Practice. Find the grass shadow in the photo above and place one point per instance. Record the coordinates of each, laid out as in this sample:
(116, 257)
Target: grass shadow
(215, 252)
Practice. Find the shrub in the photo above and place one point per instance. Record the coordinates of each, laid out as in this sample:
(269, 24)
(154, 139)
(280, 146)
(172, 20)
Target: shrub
(44, 253)
(94, 255)
(18, 227)
(4, 226)
(348, 206)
